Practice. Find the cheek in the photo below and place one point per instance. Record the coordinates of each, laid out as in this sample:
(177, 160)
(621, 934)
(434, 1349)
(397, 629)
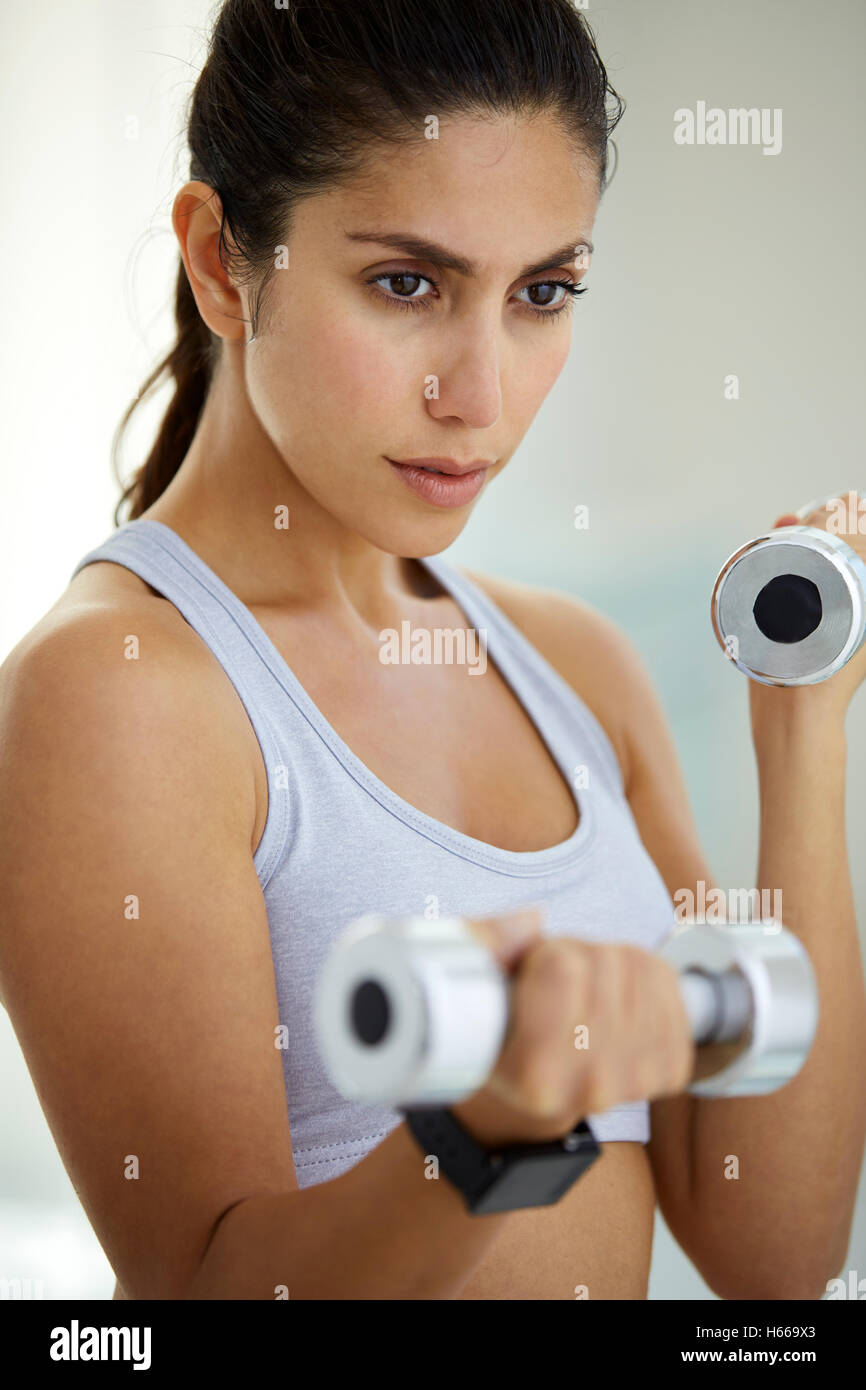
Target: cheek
(333, 369)
(554, 355)
(365, 370)
(537, 371)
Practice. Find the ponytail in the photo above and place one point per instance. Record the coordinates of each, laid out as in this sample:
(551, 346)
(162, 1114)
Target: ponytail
(190, 362)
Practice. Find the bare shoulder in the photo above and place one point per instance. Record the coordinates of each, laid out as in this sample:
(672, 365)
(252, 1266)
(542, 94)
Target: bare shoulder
(102, 598)
(112, 659)
(597, 659)
(99, 601)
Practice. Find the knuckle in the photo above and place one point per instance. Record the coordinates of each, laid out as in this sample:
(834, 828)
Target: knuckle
(536, 1089)
(561, 959)
(639, 1077)
(611, 976)
(561, 973)
(677, 1063)
(675, 1047)
(600, 1091)
(684, 1065)
(572, 969)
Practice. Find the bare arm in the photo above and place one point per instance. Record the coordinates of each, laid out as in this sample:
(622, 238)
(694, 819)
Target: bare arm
(781, 1229)
(136, 967)
(381, 1231)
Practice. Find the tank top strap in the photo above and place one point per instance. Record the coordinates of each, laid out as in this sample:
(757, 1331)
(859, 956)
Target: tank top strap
(564, 720)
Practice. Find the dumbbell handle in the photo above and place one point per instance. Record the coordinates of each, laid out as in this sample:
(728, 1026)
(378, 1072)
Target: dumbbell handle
(719, 1007)
(413, 1012)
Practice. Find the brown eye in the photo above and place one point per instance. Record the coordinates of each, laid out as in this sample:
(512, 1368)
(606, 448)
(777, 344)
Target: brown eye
(547, 289)
(543, 310)
(405, 284)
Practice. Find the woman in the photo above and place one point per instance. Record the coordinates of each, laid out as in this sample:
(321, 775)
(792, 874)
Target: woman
(361, 351)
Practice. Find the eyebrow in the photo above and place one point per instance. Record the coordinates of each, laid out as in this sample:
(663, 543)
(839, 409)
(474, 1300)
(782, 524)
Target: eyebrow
(450, 260)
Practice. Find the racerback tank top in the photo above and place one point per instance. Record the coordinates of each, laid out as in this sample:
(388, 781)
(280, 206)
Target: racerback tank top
(338, 843)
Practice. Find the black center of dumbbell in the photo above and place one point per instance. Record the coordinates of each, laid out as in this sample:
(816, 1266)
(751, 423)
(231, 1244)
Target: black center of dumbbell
(788, 608)
(371, 1012)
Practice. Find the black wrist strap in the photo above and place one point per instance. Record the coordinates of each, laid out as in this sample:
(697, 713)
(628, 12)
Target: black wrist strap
(505, 1178)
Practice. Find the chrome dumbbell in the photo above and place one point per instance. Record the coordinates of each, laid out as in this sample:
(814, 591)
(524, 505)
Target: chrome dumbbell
(411, 1012)
(789, 608)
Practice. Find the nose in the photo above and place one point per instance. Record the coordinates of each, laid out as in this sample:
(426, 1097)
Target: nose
(469, 388)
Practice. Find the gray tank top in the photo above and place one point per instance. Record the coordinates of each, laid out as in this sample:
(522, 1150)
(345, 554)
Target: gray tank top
(338, 843)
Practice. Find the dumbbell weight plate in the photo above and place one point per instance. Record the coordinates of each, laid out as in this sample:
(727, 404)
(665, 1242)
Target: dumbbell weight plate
(784, 1013)
(795, 601)
(411, 1008)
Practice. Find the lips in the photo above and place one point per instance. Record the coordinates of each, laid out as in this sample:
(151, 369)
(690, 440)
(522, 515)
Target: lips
(442, 482)
(448, 467)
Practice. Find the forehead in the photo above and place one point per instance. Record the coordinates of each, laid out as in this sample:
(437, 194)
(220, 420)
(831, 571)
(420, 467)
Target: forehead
(501, 190)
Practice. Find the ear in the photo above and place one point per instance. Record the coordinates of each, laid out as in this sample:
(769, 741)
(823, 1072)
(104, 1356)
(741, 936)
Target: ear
(195, 217)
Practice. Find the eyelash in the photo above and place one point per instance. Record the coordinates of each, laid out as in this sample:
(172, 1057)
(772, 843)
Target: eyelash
(411, 305)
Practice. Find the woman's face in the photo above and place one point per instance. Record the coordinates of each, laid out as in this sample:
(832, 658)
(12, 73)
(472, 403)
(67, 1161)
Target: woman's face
(369, 350)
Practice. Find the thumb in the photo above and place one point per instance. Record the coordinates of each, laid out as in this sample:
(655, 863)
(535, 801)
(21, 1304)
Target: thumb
(511, 934)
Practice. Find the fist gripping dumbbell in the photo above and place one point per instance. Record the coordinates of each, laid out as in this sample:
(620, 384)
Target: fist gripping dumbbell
(789, 608)
(411, 1012)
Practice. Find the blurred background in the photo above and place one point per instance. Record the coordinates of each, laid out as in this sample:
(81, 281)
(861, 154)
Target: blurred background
(710, 261)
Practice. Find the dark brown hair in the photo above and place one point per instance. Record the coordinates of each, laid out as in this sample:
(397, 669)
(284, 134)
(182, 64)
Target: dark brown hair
(292, 98)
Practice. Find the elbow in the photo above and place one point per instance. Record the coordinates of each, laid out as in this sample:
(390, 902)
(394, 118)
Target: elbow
(789, 1277)
(800, 1265)
(217, 1275)
(783, 1288)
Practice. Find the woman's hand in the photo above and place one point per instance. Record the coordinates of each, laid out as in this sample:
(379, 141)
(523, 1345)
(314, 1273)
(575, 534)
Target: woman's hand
(829, 698)
(637, 1042)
